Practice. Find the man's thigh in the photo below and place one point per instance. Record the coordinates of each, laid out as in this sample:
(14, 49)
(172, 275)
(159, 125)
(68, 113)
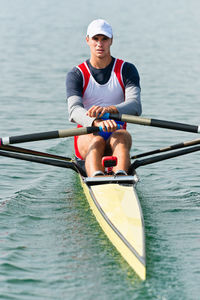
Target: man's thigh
(89, 141)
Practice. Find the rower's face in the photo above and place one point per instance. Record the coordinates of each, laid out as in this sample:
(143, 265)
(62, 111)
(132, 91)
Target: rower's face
(99, 45)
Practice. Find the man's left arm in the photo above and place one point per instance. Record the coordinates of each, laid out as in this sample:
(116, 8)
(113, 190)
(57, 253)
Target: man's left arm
(132, 104)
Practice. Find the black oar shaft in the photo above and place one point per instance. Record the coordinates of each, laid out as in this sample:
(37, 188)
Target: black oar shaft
(41, 160)
(33, 152)
(158, 158)
(33, 137)
(47, 135)
(174, 125)
(156, 123)
(169, 148)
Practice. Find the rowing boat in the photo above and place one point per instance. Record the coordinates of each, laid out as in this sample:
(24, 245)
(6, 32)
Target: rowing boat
(113, 199)
(115, 204)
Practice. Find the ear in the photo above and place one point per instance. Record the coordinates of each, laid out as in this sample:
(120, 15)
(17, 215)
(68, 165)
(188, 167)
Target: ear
(87, 39)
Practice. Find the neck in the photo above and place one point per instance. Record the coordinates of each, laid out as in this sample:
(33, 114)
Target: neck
(100, 63)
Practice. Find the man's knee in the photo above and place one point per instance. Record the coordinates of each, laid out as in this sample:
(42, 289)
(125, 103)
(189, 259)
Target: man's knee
(121, 137)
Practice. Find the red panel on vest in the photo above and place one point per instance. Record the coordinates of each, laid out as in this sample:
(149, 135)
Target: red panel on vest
(86, 75)
(117, 71)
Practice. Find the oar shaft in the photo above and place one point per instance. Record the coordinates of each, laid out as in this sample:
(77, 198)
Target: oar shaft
(47, 135)
(169, 148)
(33, 152)
(174, 125)
(156, 123)
(151, 160)
(41, 160)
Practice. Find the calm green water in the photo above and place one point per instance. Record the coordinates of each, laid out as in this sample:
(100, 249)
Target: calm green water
(51, 246)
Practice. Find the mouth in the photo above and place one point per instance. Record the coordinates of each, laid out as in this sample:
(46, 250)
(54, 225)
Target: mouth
(100, 51)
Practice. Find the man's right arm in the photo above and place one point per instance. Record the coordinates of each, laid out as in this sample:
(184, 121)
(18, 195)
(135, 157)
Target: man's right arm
(77, 113)
(74, 85)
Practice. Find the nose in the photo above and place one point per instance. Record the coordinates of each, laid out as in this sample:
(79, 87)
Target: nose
(99, 43)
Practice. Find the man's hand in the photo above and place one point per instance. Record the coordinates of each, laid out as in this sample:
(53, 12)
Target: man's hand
(107, 125)
(98, 111)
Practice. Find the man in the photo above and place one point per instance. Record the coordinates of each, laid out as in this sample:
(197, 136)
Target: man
(99, 85)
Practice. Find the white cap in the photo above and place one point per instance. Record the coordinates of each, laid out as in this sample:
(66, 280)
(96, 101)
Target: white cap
(99, 26)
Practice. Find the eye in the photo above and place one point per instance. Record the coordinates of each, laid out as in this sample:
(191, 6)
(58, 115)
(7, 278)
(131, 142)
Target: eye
(95, 38)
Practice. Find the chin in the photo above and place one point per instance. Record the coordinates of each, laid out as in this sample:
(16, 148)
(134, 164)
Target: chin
(100, 55)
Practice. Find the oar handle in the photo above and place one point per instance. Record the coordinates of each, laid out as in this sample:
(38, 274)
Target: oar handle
(154, 122)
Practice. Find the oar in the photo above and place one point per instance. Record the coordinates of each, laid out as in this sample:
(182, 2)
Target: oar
(154, 122)
(57, 162)
(33, 152)
(151, 160)
(169, 148)
(48, 135)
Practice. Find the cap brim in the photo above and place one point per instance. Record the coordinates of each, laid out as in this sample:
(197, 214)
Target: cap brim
(100, 32)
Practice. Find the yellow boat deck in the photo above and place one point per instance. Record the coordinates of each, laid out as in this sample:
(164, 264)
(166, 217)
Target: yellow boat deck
(117, 209)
